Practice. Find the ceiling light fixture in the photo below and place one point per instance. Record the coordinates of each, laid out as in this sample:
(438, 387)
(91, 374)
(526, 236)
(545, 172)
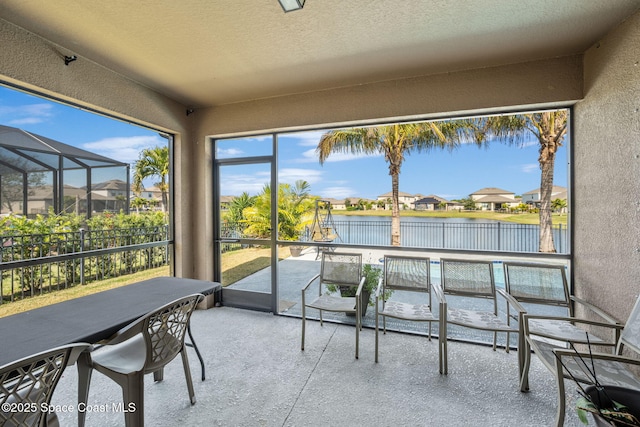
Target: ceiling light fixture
(291, 5)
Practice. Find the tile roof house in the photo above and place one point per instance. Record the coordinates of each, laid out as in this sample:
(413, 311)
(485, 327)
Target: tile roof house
(493, 199)
(533, 197)
(406, 200)
(433, 202)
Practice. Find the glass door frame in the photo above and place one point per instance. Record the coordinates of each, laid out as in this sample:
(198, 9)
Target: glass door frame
(260, 301)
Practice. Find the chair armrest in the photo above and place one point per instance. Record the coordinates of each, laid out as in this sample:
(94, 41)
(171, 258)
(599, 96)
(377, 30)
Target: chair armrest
(595, 310)
(511, 301)
(317, 276)
(360, 286)
(575, 320)
(127, 332)
(588, 357)
(77, 350)
(437, 290)
(614, 327)
(378, 289)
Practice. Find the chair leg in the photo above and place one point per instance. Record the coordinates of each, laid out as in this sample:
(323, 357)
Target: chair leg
(357, 336)
(561, 404)
(84, 380)
(376, 345)
(52, 420)
(304, 321)
(358, 323)
(524, 376)
(561, 396)
(158, 375)
(133, 397)
(195, 347)
(187, 374)
(442, 344)
(521, 350)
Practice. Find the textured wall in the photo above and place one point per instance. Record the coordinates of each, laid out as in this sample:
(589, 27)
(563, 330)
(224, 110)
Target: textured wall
(544, 82)
(606, 192)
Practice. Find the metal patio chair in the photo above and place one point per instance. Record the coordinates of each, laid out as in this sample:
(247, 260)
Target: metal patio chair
(29, 384)
(473, 280)
(342, 270)
(558, 352)
(537, 285)
(408, 278)
(143, 347)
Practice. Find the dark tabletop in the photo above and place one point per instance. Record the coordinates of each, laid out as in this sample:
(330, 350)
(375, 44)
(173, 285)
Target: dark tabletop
(91, 318)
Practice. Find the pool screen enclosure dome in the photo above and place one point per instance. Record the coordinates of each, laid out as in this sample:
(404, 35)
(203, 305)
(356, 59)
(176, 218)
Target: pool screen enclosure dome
(38, 173)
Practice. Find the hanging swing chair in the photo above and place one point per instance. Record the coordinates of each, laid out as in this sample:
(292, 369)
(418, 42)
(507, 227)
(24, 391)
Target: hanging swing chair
(323, 228)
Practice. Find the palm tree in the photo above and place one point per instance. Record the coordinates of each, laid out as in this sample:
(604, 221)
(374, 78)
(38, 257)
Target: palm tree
(549, 127)
(153, 162)
(295, 205)
(394, 142)
(235, 216)
(138, 203)
(558, 205)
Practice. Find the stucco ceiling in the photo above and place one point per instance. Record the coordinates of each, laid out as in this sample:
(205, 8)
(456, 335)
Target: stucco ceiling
(212, 52)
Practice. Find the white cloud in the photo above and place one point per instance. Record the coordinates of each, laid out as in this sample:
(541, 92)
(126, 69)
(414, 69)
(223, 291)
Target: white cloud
(532, 143)
(234, 185)
(124, 149)
(530, 167)
(253, 184)
(291, 175)
(303, 139)
(228, 152)
(310, 156)
(338, 192)
(25, 121)
(26, 114)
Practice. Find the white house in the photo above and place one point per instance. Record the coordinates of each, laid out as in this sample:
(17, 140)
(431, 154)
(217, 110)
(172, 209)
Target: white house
(492, 199)
(405, 200)
(533, 197)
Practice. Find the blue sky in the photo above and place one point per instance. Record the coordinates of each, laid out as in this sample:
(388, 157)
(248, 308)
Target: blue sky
(111, 138)
(451, 175)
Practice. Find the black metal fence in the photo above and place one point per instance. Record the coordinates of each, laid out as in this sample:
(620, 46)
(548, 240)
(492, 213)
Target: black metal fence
(480, 236)
(475, 236)
(36, 263)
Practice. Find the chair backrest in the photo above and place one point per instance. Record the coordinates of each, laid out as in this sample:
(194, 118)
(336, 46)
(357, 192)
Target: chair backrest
(630, 336)
(537, 283)
(30, 382)
(164, 330)
(407, 273)
(341, 268)
(467, 278)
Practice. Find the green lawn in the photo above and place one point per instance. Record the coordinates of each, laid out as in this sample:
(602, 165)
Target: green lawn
(9, 308)
(235, 266)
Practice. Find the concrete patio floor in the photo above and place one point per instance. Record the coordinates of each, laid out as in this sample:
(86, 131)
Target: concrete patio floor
(257, 376)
